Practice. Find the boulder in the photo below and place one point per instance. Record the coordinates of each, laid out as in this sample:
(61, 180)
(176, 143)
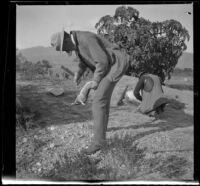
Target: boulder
(56, 91)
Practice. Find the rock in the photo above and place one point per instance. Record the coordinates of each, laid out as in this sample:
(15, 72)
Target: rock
(56, 91)
(51, 145)
(148, 155)
(24, 140)
(62, 137)
(35, 136)
(51, 128)
(123, 166)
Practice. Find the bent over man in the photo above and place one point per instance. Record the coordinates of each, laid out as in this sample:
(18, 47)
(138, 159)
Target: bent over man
(108, 63)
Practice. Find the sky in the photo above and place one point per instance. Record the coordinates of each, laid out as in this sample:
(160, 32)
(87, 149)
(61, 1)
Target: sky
(36, 24)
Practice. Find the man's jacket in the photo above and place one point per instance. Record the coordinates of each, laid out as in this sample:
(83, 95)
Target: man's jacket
(95, 53)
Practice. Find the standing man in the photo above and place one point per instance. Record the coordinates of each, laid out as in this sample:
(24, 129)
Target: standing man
(108, 63)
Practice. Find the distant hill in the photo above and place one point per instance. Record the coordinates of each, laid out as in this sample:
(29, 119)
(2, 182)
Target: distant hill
(185, 61)
(37, 53)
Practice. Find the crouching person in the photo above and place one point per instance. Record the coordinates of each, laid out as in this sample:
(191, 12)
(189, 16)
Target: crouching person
(108, 63)
(152, 96)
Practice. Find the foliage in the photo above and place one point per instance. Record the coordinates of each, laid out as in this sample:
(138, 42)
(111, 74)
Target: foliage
(20, 59)
(154, 47)
(24, 115)
(88, 74)
(30, 70)
(20, 119)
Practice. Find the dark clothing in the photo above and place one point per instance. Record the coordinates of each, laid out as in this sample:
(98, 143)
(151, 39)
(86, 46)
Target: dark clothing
(100, 109)
(98, 54)
(109, 64)
(152, 95)
(146, 83)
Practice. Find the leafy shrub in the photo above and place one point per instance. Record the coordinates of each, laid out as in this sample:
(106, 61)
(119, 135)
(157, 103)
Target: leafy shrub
(29, 70)
(154, 47)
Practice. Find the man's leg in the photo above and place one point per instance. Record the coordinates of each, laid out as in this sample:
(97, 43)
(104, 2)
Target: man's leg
(100, 109)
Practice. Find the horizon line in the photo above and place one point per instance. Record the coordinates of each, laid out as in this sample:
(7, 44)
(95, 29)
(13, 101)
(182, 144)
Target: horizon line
(51, 47)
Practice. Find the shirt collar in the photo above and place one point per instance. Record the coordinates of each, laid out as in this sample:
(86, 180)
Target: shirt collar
(72, 38)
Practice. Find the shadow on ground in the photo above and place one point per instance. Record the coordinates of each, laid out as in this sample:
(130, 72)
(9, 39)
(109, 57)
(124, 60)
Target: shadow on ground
(172, 118)
(49, 109)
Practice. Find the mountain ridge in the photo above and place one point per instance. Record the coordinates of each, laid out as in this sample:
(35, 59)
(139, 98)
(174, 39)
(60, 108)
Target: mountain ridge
(38, 53)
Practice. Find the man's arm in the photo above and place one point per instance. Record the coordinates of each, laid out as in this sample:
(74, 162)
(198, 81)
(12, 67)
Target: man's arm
(100, 62)
(138, 87)
(100, 71)
(120, 101)
(81, 69)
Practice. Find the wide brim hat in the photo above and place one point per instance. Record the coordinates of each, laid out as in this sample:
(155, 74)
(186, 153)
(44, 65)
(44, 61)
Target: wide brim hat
(57, 40)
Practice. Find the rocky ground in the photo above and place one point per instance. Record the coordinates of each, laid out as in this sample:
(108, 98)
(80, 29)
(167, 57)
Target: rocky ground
(139, 147)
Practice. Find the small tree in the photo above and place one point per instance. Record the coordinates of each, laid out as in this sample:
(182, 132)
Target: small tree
(46, 65)
(28, 69)
(38, 68)
(20, 59)
(154, 47)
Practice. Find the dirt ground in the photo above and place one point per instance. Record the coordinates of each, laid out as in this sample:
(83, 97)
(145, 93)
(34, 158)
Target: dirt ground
(139, 147)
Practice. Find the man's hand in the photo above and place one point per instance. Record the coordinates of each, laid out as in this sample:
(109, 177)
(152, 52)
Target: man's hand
(137, 109)
(80, 99)
(83, 95)
(77, 81)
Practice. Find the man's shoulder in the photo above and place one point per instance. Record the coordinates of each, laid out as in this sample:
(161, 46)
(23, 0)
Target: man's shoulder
(91, 36)
(85, 36)
(84, 32)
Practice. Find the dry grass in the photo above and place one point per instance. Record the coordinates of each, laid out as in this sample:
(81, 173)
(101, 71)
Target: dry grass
(138, 148)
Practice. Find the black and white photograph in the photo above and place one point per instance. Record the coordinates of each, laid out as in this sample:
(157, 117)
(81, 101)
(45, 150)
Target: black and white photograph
(104, 93)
